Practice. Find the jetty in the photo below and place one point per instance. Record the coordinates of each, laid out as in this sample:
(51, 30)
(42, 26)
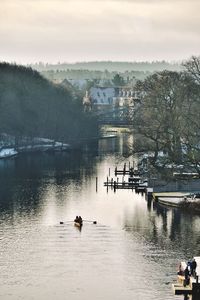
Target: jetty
(125, 185)
(131, 171)
(130, 178)
(192, 287)
(176, 193)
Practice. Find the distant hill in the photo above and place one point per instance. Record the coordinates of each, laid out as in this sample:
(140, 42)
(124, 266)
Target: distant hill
(111, 66)
(103, 71)
(80, 77)
(31, 106)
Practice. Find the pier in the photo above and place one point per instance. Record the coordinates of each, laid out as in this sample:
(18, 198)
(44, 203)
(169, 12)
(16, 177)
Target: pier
(127, 171)
(193, 286)
(131, 179)
(125, 185)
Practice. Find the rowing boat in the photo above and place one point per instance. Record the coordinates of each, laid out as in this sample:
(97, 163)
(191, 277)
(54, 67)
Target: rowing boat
(78, 224)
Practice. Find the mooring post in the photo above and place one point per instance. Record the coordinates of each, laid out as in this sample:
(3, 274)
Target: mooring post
(124, 171)
(123, 181)
(149, 194)
(114, 186)
(96, 184)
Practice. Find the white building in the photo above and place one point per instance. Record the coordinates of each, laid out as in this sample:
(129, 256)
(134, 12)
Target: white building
(104, 98)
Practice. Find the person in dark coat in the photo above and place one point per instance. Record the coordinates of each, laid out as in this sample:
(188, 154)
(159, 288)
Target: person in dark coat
(187, 276)
(80, 220)
(193, 267)
(76, 219)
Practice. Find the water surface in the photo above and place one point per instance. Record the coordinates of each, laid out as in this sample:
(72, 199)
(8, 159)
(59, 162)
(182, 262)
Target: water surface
(131, 253)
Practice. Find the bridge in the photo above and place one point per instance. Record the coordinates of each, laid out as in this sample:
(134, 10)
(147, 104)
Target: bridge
(112, 105)
(116, 116)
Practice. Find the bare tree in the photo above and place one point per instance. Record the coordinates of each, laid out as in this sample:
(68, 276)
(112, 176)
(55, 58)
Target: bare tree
(193, 67)
(168, 117)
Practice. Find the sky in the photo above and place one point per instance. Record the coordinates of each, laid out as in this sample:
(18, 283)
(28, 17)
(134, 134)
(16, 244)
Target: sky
(92, 30)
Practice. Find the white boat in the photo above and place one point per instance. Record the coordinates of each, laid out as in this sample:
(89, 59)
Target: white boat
(7, 152)
(177, 198)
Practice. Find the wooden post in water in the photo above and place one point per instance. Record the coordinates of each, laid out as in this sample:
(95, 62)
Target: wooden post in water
(123, 182)
(96, 184)
(124, 171)
(114, 186)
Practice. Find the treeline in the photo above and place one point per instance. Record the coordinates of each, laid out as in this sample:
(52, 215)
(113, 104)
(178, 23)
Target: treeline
(167, 120)
(31, 106)
(111, 66)
(103, 71)
(104, 76)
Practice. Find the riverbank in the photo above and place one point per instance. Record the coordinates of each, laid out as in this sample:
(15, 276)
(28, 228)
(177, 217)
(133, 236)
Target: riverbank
(48, 145)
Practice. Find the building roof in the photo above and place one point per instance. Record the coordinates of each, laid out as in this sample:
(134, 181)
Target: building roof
(102, 95)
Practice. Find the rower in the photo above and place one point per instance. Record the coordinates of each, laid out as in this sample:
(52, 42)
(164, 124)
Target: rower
(80, 220)
(76, 219)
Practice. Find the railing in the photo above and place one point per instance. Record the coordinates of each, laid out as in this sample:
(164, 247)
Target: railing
(117, 116)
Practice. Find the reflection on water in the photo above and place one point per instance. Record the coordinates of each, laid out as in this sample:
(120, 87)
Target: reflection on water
(131, 253)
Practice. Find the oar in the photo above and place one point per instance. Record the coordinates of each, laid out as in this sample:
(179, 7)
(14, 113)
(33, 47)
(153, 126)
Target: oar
(61, 222)
(94, 222)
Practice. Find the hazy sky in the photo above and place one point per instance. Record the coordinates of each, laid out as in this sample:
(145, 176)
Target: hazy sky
(85, 30)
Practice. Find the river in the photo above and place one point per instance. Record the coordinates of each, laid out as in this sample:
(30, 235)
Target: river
(131, 253)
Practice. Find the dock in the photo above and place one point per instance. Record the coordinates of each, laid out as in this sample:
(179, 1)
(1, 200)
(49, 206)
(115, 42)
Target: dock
(125, 185)
(131, 179)
(193, 287)
(131, 171)
(179, 289)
